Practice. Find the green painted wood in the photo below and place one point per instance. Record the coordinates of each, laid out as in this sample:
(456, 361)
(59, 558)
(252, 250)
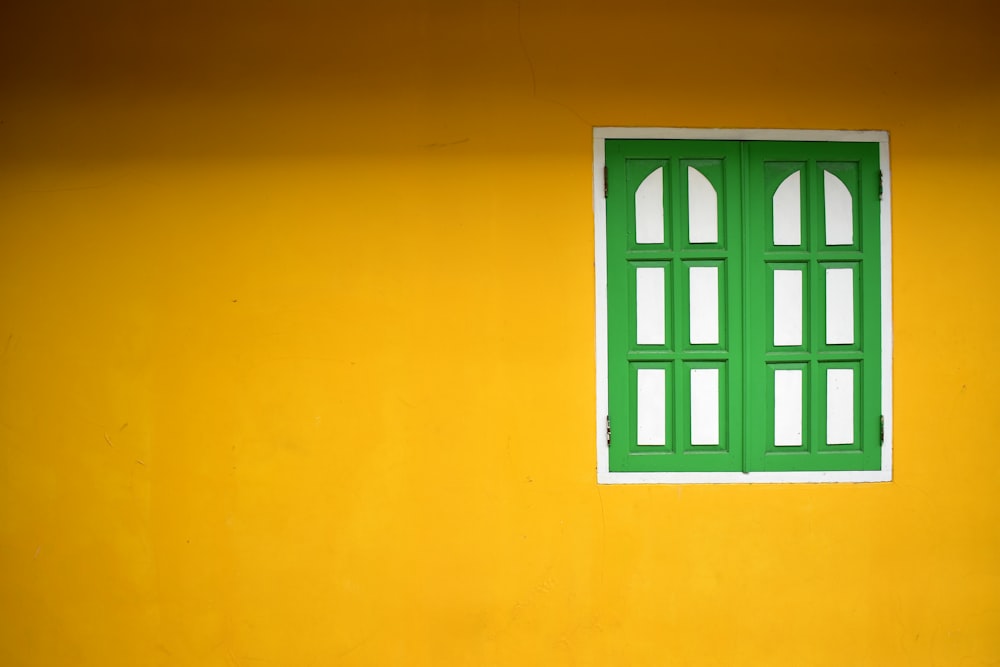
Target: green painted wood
(745, 176)
(857, 165)
(629, 162)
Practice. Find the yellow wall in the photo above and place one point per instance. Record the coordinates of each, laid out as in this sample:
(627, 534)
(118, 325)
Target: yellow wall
(296, 338)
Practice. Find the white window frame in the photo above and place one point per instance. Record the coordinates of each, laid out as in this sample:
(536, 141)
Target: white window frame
(604, 474)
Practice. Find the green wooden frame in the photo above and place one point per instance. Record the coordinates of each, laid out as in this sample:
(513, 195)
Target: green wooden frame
(745, 175)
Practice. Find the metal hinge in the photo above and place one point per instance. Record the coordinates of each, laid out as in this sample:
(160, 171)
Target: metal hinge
(605, 181)
(881, 430)
(879, 185)
(608, 418)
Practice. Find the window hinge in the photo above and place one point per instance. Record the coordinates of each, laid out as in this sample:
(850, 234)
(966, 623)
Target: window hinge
(609, 429)
(605, 181)
(879, 186)
(881, 430)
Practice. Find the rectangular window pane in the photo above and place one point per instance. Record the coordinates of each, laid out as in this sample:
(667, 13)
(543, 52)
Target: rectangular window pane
(651, 402)
(840, 406)
(839, 306)
(704, 406)
(649, 306)
(787, 408)
(787, 307)
(704, 304)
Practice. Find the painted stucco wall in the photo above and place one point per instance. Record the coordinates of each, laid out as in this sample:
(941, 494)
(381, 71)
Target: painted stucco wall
(297, 348)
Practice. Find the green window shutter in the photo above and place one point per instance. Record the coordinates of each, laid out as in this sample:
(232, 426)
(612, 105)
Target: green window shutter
(743, 306)
(835, 367)
(675, 232)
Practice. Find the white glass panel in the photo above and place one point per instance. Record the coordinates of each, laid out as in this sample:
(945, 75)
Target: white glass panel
(788, 408)
(840, 406)
(839, 306)
(649, 209)
(704, 304)
(704, 406)
(788, 212)
(651, 402)
(839, 211)
(649, 306)
(703, 209)
(787, 307)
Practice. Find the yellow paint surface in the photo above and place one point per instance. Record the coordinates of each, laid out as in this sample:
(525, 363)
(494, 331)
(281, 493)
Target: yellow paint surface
(296, 339)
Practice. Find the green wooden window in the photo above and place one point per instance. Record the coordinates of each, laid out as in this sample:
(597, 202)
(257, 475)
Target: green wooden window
(744, 306)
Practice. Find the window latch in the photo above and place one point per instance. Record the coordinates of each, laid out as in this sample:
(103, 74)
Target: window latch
(881, 430)
(609, 429)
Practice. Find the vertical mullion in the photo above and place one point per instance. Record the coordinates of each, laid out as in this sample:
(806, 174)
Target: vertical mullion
(817, 407)
(817, 337)
(744, 250)
(817, 311)
(680, 316)
(753, 270)
(758, 373)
